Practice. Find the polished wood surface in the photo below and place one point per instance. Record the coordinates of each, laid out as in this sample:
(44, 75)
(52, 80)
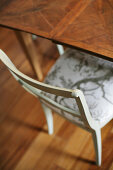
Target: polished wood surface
(33, 54)
(87, 24)
(24, 141)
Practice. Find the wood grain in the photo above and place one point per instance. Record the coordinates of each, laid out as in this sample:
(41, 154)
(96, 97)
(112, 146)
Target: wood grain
(32, 54)
(85, 24)
(24, 142)
(20, 114)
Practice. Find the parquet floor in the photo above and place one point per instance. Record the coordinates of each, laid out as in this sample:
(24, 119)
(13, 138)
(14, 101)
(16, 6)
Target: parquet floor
(24, 142)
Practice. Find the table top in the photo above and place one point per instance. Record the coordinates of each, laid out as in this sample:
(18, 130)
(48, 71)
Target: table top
(86, 24)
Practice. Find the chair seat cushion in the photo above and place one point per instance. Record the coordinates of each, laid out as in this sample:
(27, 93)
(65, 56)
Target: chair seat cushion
(93, 75)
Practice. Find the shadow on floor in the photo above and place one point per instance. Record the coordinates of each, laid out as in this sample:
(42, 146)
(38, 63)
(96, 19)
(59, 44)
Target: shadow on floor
(72, 156)
(18, 122)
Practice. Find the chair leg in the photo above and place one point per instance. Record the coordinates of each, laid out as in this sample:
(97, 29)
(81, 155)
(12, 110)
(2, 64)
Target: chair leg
(98, 146)
(49, 118)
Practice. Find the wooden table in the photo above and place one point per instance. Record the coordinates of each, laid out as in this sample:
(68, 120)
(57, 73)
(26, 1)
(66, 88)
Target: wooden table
(86, 24)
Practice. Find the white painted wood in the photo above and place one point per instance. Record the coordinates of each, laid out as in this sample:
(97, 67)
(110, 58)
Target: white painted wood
(36, 88)
(60, 49)
(49, 118)
(34, 37)
(39, 85)
(84, 110)
(97, 145)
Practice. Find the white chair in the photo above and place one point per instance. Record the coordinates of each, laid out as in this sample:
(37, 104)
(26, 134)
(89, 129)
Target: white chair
(61, 91)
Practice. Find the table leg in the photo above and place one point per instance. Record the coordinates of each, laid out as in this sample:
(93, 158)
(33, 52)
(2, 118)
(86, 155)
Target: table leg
(28, 46)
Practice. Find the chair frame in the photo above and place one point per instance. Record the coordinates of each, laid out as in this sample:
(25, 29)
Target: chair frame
(89, 123)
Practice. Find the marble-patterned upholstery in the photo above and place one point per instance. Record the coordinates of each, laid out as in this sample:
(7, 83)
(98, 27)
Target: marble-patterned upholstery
(94, 76)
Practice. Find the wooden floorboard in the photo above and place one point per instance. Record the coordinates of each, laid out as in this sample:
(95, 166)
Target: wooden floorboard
(24, 142)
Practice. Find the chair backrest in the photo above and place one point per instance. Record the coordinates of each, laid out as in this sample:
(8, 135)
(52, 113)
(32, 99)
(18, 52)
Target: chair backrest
(35, 87)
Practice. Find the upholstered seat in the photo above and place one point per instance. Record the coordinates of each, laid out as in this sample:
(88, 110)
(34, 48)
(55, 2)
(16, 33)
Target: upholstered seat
(75, 71)
(92, 75)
